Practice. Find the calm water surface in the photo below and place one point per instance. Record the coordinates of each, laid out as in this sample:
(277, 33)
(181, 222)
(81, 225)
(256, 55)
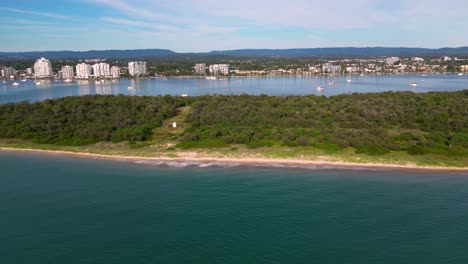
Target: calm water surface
(72, 210)
(255, 85)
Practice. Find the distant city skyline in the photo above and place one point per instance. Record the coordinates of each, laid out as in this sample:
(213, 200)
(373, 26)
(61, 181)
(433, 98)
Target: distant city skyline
(206, 25)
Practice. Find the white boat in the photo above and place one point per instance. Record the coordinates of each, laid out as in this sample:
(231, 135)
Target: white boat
(211, 78)
(38, 83)
(349, 81)
(4, 81)
(184, 95)
(67, 80)
(15, 84)
(23, 80)
(460, 74)
(362, 74)
(413, 84)
(320, 88)
(130, 88)
(331, 83)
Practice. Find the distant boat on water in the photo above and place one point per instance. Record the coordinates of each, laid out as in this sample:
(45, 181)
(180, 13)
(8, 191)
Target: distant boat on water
(24, 80)
(331, 83)
(15, 84)
(67, 80)
(211, 78)
(413, 84)
(130, 88)
(349, 81)
(460, 74)
(320, 88)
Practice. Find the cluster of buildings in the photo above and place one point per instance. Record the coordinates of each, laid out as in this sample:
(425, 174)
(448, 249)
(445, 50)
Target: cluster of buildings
(390, 65)
(43, 69)
(214, 69)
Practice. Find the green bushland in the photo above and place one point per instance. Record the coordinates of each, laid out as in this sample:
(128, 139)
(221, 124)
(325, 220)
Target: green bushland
(432, 124)
(87, 119)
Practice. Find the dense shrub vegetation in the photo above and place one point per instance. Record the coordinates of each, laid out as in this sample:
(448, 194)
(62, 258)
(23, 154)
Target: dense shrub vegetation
(371, 123)
(87, 119)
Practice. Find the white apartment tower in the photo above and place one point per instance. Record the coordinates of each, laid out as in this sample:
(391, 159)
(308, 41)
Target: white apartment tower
(83, 71)
(137, 68)
(43, 68)
(68, 72)
(392, 60)
(200, 68)
(219, 69)
(101, 70)
(115, 72)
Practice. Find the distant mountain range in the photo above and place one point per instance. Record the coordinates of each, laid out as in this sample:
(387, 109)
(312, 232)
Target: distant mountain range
(346, 52)
(66, 54)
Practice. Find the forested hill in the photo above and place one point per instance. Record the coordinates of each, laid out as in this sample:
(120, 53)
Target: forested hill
(127, 54)
(433, 123)
(345, 52)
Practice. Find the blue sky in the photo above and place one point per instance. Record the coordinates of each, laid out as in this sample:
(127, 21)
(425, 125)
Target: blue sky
(205, 25)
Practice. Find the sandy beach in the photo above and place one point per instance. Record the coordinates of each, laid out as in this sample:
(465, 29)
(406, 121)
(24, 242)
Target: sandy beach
(263, 162)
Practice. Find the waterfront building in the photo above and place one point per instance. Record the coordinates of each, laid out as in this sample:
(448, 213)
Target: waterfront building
(43, 68)
(392, 60)
(417, 59)
(464, 68)
(352, 69)
(200, 68)
(314, 70)
(68, 72)
(7, 72)
(29, 71)
(330, 68)
(137, 68)
(83, 71)
(101, 70)
(115, 72)
(219, 69)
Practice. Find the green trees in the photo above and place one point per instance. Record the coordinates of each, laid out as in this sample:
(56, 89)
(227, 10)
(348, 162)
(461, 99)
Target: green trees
(87, 119)
(371, 123)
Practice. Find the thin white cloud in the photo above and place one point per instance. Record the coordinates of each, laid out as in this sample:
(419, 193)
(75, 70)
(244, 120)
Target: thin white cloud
(137, 23)
(35, 13)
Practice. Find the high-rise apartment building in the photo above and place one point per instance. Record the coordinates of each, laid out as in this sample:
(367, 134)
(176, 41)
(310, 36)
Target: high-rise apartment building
(68, 72)
(115, 72)
(101, 70)
(219, 69)
(200, 68)
(43, 68)
(83, 71)
(137, 68)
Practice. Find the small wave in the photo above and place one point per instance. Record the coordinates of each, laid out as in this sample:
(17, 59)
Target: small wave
(184, 164)
(207, 164)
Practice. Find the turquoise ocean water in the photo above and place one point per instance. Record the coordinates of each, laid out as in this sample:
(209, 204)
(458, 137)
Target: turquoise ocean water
(57, 209)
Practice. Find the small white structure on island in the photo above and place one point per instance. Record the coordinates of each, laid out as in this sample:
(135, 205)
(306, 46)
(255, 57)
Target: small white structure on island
(174, 125)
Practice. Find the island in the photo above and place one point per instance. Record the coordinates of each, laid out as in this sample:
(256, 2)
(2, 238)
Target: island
(390, 129)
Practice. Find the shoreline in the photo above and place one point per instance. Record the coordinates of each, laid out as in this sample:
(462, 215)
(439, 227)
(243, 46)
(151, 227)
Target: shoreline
(260, 162)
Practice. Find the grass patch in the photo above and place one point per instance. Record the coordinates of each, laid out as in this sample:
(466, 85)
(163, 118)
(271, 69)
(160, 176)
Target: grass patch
(202, 144)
